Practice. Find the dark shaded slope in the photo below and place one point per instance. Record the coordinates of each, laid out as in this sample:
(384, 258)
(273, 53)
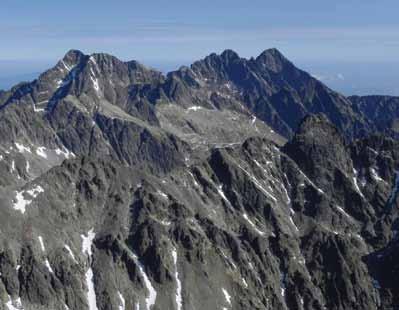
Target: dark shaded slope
(382, 111)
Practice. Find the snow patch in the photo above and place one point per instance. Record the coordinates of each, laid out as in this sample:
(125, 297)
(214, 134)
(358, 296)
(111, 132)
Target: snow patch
(310, 182)
(40, 102)
(41, 244)
(152, 293)
(245, 216)
(179, 299)
(194, 180)
(227, 296)
(47, 263)
(122, 300)
(21, 203)
(70, 252)
(221, 194)
(282, 285)
(87, 242)
(66, 153)
(94, 80)
(91, 294)
(261, 167)
(68, 68)
(14, 169)
(375, 175)
(27, 167)
(93, 60)
(165, 222)
(61, 83)
(95, 83)
(41, 151)
(251, 266)
(355, 182)
(162, 194)
(229, 260)
(22, 148)
(35, 191)
(286, 194)
(14, 305)
(37, 110)
(257, 184)
(194, 108)
(343, 212)
(293, 224)
(13, 166)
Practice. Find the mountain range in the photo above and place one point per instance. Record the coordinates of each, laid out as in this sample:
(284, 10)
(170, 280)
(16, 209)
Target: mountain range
(230, 184)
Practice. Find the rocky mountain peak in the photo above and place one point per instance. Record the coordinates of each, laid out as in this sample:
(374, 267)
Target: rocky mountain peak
(273, 60)
(318, 123)
(219, 67)
(229, 55)
(73, 57)
(319, 148)
(125, 189)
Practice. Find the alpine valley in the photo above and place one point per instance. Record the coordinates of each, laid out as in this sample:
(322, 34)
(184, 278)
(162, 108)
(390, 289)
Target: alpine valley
(230, 184)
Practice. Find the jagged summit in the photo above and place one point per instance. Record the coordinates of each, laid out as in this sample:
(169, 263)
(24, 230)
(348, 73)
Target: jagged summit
(318, 122)
(73, 55)
(270, 87)
(273, 52)
(273, 59)
(319, 148)
(229, 55)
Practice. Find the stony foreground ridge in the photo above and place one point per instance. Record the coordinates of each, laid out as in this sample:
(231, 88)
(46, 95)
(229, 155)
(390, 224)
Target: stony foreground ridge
(123, 189)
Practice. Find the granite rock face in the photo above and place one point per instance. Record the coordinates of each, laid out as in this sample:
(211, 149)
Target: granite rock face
(123, 188)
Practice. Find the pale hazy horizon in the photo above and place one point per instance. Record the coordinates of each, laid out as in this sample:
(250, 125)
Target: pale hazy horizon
(351, 45)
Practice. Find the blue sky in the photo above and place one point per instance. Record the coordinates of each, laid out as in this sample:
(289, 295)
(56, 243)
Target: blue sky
(165, 33)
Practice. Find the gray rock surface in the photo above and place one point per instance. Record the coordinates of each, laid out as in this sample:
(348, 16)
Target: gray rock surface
(124, 189)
